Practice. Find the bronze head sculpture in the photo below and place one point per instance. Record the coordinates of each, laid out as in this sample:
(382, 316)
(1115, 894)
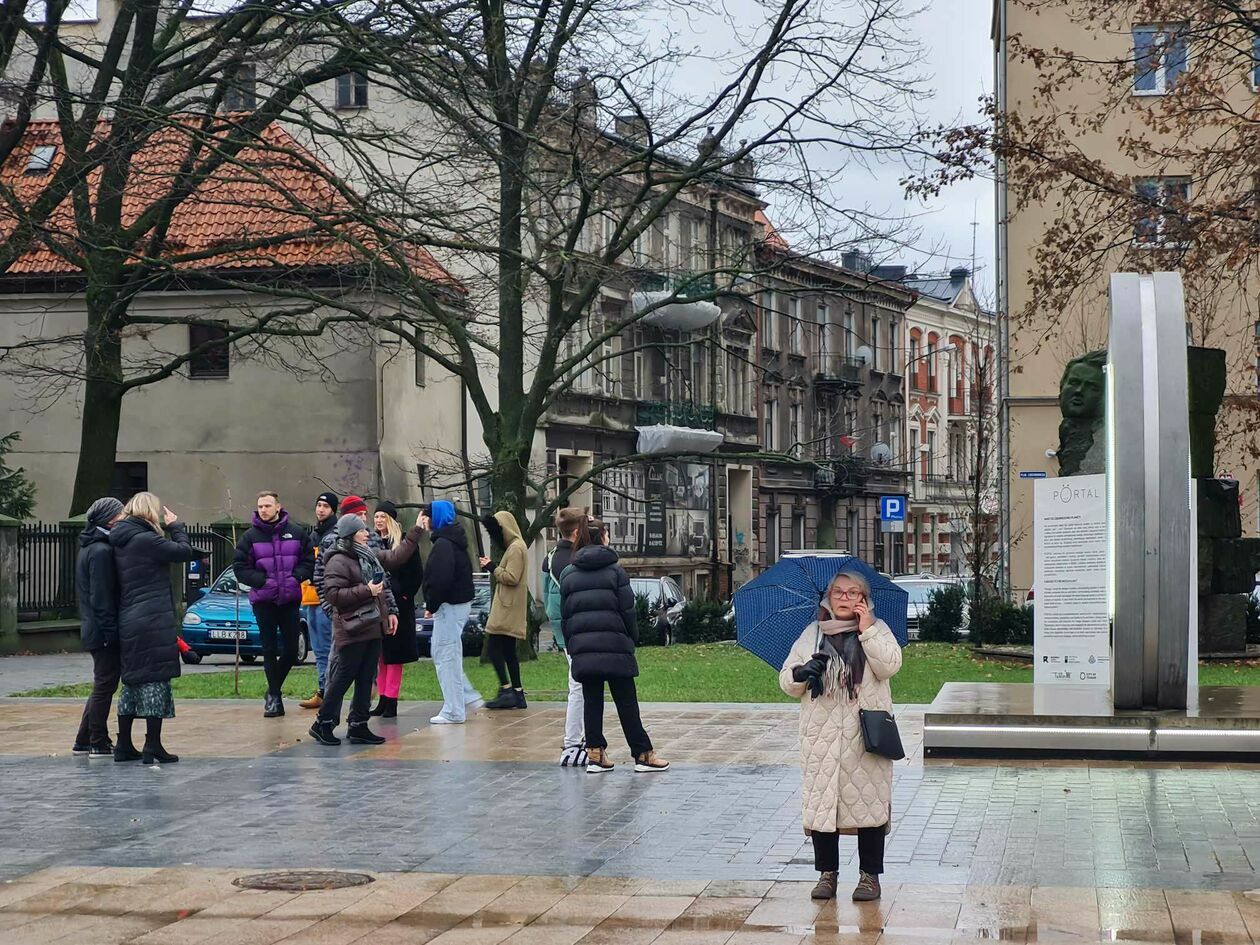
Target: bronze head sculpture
(1082, 401)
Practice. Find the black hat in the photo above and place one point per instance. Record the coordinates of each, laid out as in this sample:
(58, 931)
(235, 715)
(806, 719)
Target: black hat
(330, 498)
(388, 508)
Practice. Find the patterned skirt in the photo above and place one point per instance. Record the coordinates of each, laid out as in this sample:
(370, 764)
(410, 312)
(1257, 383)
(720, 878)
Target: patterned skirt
(152, 700)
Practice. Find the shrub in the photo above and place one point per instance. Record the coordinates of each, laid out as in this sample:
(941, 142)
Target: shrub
(649, 635)
(703, 622)
(996, 622)
(1253, 620)
(943, 620)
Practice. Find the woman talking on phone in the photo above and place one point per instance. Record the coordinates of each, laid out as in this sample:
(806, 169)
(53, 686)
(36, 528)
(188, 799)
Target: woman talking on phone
(148, 630)
(841, 664)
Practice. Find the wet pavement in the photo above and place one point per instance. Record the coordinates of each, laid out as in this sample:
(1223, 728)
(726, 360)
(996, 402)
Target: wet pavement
(475, 835)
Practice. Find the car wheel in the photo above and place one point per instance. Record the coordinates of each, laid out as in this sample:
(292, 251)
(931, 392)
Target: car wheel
(303, 648)
(248, 657)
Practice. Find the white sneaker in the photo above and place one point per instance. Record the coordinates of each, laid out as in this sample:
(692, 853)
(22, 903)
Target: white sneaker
(475, 704)
(574, 757)
(443, 720)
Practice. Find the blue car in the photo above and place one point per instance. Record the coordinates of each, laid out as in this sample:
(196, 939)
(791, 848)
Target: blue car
(223, 616)
(474, 634)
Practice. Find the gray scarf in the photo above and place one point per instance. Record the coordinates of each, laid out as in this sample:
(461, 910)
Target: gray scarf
(369, 565)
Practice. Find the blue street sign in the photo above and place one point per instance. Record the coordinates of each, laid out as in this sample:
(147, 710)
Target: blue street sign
(892, 508)
(1032, 474)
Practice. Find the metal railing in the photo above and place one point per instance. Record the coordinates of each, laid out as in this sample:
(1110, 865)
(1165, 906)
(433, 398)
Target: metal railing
(838, 369)
(46, 557)
(678, 414)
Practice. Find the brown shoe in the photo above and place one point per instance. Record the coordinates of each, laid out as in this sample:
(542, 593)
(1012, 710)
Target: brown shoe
(867, 888)
(314, 702)
(826, 887)
(597, 761)
(649, 762)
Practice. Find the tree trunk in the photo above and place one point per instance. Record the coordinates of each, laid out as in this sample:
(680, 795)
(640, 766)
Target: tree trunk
(102, 412)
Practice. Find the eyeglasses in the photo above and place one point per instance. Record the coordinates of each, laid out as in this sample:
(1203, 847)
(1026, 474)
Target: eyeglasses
(847, 595)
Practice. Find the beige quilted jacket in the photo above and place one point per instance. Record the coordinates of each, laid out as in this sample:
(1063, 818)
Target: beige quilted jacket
(843, 787)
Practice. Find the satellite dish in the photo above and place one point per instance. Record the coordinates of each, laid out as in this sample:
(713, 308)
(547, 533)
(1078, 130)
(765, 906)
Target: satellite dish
(880, 453)
(865, 354)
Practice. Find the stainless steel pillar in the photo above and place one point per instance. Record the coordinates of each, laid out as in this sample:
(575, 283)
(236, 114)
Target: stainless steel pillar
(1148, 480)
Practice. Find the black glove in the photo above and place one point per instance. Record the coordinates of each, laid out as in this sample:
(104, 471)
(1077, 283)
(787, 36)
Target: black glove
(812, 670)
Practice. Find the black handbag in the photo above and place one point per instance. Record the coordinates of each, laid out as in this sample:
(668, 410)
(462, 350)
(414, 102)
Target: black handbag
(879, 733)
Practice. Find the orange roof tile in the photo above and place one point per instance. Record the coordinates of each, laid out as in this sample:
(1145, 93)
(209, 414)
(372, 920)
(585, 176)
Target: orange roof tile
(276, 193)
(769, 235)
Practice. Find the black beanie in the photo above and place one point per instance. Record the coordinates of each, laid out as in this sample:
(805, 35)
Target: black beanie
(388, 508)
(330, 498)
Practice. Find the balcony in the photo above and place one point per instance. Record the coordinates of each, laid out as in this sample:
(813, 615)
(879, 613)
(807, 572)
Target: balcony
(840, 477)
(677, 427)
(690, 306)
(945, 487)
(838, 371)
(676, 413)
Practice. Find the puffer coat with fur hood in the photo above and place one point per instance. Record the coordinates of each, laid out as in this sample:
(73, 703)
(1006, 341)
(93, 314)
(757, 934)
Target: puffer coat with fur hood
(843, 786)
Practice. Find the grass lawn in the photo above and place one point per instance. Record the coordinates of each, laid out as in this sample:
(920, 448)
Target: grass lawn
(709, 673)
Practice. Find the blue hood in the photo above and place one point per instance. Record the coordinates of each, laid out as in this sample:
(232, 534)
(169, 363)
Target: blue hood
(443, 514)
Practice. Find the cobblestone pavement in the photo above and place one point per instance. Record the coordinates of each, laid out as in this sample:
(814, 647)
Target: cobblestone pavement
(993, 850)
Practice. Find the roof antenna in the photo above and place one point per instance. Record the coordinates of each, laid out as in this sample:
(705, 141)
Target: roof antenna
(975, 225)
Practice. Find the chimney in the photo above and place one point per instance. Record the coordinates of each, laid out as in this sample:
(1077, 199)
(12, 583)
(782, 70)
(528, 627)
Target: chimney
(631, 128)
(890, 273)
(856, 261)
(959, 274)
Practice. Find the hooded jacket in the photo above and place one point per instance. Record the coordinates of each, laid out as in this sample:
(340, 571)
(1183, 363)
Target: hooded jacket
(509, 609)
(97, 587)
(561, 557)
(147, 627)
(273, 559)
(319, 531)
(597, 608)
(448, 572)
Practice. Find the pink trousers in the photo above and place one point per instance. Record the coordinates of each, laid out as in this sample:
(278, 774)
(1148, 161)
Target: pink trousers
(389, 679)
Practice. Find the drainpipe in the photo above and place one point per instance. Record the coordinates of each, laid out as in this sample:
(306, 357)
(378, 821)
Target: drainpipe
(1003, 316)
(715, 336)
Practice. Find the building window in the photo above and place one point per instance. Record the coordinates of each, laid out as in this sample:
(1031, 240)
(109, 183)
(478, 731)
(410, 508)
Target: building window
(242, 90)
(421, 360)
(894, 434)
(916, 467)
(209, 353)
(352, 90)
(795, 434)
(912, 363)
(931, 453)
(128, 479)
(798, 531)
(770, 322)
(41, 159)
(1160, 56)
(875, 344)
(772, 535)
(1161, 212)
(796, 330)
(931, 361)
(853, 544)
(849, 333)
(771, 439)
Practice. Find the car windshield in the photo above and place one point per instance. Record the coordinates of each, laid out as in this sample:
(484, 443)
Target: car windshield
(920, 591)
(227, 584)
(646, 587)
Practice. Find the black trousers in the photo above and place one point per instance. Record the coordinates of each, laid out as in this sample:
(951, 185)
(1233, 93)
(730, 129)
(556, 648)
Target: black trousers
(279, 626)
(626, 699)
(502, 652)
(353, 664)
(106, 669)
(870, 850)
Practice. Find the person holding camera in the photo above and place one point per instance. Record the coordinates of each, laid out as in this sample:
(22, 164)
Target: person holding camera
(840, 664)
(356, 587)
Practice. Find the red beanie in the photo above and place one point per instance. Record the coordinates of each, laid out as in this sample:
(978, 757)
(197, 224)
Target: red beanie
(352, 505)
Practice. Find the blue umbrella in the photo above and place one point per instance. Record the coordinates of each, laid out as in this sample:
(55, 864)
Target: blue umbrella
(774, 608)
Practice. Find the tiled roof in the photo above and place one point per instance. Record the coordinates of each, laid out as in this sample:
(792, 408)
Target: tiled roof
(275, 193)
(769, 234)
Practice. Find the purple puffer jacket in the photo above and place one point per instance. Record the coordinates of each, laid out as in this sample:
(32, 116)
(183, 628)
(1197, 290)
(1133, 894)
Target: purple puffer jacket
(273, 559)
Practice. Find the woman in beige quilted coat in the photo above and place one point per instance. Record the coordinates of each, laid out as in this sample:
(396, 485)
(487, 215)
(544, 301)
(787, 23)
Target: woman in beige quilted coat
(840, 664)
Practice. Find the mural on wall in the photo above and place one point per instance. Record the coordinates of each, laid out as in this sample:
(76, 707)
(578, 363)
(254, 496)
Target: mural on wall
(658, 510)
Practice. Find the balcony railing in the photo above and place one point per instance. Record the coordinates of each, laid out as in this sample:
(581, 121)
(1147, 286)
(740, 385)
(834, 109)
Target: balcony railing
(676, 414)
(838, 369)
(947, 485)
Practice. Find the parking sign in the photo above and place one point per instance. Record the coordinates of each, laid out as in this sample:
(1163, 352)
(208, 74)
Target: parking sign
(892, 508)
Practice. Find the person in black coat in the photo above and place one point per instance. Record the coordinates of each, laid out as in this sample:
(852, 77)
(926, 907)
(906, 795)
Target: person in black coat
(448, 596)
(147, 625)
(97, 589)
(405, 579)
(598, 616)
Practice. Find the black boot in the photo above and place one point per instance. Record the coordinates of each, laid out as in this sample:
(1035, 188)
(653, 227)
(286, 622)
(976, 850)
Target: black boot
(519, 695)
(270, 710)
(390, 706)
(360, 734)
(322, 732)
(154, 753)
(124, 750)
(506, 699)
(379, 708)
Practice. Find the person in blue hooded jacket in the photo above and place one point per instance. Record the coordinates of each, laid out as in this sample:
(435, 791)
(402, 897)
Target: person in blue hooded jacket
(448, 596)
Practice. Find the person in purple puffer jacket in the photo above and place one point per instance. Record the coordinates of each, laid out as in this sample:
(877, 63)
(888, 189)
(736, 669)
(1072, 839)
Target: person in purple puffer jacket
(273, 558)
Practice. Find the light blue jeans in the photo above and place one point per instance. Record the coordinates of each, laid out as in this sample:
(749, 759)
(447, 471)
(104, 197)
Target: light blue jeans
(319, 629)
(447, 650)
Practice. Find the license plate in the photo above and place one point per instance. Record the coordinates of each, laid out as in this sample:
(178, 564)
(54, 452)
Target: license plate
(228, 634)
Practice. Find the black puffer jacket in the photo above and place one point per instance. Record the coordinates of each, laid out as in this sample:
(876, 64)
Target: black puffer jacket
(448, 574)
(97, 587)
(146, 608)
(598, 618)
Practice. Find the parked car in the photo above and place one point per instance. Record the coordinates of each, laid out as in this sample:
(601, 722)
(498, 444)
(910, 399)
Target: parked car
(474, 627)
(665, 602)
(222, 616)
(919, 587)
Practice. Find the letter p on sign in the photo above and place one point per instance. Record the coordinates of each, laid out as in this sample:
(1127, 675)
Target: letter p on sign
(892, 508)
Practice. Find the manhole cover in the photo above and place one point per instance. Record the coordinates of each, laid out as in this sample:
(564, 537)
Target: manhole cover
(302, 880)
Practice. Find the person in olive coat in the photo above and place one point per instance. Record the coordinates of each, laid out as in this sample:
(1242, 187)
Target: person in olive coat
(97, 590)
(147, 626)
(600, 628)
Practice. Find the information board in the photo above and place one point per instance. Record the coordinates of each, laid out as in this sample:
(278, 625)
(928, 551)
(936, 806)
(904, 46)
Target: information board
(1071, 638)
